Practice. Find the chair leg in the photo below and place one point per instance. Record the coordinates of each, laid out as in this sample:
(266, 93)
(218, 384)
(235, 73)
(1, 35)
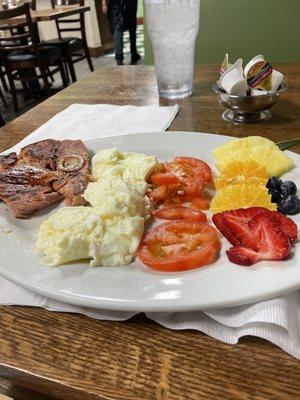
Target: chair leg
(2, 122)
(3, 98)
(13, 91)
(71, 67)
(88, 57)
(62, 73)
(45, 79)
(3, 80)
(48, 72)
(66, 71)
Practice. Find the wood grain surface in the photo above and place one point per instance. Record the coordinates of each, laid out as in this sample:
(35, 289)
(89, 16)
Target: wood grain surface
(47, 15)
(46, 355)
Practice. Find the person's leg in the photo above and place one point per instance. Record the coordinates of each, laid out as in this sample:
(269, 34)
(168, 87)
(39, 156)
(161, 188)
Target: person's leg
(116, 22)
(131, 6)
(118, 39)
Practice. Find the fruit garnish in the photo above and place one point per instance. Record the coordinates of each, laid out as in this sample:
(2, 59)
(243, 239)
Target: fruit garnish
(289, 204)
(287, 225)
(262, 150)
(288, 187)
(271, 242)
(284, 195)
(256, 234)
(242, 196)
(248, 172)
(179, 246)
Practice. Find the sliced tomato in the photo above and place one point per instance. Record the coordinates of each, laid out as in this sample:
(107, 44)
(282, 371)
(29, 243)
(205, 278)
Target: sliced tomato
(196, 165)
(180, 212)
(163, 179)
(179, 246)
(200, 202)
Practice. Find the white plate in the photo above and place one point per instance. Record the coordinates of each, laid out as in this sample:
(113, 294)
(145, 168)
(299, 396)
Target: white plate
(134, 287)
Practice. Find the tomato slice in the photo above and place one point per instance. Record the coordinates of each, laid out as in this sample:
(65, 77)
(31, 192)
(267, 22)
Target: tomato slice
(200, 202)
(179, 246)
(196, 165)
(162, 179)
(180, 212)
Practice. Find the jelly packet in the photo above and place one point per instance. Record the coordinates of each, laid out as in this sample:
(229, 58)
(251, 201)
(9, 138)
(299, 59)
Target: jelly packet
(260, 76)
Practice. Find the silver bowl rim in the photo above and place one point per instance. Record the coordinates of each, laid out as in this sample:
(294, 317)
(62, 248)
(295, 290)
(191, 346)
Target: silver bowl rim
(283, 87)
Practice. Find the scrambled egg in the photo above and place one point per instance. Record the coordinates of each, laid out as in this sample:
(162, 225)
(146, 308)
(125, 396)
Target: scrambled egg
(116, 197)
(133, 168)
(109, 231)
(78, 233)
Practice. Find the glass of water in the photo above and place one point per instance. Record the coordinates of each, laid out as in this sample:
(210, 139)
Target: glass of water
(173, 27)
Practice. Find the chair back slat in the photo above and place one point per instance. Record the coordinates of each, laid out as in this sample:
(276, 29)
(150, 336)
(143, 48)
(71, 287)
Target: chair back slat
(60, 23)
(15, 38)
(18, 30)
(68, 21)
(9, 49)
(70, 30)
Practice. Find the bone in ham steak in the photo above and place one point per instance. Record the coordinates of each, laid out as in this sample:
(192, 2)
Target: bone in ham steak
(44, 173)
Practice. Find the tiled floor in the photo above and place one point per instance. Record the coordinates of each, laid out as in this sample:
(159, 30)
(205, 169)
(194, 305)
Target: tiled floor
(82, 70)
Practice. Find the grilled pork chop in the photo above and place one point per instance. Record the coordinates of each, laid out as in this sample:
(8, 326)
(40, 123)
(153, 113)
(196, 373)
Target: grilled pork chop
(44, 173)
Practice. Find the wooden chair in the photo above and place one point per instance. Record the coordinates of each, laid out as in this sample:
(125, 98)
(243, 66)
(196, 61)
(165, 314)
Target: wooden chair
(71, 45)
(21, 54)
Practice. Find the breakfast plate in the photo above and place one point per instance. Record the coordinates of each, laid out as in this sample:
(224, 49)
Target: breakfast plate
(135, 287)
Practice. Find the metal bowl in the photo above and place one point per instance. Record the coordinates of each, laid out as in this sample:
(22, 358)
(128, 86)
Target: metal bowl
(245, 109)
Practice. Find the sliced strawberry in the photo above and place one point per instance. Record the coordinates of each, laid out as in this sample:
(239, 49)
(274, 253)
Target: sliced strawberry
(218, 220)
(256, 234)
(287, 225)
(243, 256)
(234, 226)
(272, 244)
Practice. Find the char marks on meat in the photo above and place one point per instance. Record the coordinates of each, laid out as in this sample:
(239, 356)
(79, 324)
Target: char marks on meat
(44, 173)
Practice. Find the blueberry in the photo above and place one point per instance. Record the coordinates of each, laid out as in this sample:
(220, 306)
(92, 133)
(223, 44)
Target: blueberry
(289, 204)
(288, 187)
(275, 195)
(274, 183)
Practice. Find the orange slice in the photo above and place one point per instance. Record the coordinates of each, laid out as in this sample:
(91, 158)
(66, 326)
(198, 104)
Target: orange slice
(248, 172)
(242, 196)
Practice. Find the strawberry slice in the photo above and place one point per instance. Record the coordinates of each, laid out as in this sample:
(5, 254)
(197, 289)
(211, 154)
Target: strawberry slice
(287, 225)
(272, 245)
(234, 226)
(242, 256)
(218, 220)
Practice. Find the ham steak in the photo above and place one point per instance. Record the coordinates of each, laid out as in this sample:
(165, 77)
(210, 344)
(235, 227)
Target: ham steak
(44, 173)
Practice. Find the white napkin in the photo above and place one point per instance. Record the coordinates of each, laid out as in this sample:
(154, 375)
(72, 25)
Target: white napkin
(85, 121)
(276, 320)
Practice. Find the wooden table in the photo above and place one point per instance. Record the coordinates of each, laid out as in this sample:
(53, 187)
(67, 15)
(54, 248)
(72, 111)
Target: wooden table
(72, 357)
(52, 14)
(47, 15)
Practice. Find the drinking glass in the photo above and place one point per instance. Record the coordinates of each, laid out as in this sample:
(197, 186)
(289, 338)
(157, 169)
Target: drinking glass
(173, 27)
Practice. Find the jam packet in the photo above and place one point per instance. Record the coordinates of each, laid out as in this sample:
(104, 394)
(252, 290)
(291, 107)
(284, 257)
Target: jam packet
(259, 75)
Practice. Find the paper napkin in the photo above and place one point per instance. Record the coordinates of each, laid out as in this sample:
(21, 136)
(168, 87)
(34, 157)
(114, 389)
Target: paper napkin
(276, 320)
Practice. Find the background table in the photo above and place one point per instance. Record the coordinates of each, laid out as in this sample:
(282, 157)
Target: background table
(74, 357)
(47, 15)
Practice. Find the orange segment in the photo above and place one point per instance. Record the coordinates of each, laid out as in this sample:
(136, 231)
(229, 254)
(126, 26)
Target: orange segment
(248, 172)
(242, 196)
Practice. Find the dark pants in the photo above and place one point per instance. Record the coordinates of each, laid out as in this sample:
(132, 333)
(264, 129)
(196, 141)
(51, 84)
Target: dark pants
(122, 16)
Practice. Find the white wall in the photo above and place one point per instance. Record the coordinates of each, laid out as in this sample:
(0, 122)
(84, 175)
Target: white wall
(48, 30)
